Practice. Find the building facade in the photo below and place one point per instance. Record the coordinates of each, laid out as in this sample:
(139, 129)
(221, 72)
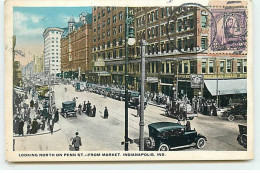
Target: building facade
(76, 43)
(52, 61)
(179, 44)
(38, 63)
(108, 49)
(17, 74)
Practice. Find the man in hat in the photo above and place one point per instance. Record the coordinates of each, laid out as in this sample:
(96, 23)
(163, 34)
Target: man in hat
(76, 141)
(105, 113)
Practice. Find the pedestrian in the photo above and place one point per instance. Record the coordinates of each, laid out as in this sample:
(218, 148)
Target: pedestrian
(34, 126)
(56, 117)
(88, 108)
(76, 141)
(51, 125)
(94, 111)
(79, 108)
(31, 103)
(21, 125)
(105, 113)
(84, 106)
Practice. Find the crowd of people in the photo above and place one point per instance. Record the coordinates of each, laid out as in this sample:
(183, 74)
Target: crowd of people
(34, 117)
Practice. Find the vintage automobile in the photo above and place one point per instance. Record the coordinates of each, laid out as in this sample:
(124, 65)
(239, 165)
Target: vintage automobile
(68, 109)
(242, 137)
(164, 136)
(180, 110)
(134, 100)
(42, 92)
(232, 111)
(80, 86)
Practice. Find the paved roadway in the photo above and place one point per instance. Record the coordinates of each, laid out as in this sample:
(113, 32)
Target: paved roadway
(100, 134)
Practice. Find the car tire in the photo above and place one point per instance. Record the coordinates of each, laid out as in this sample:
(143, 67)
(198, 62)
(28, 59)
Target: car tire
(231, 118)
(149, 143)
(239, 140)
(180, 117)
(164, 147)
(191, 118)
(201, 142)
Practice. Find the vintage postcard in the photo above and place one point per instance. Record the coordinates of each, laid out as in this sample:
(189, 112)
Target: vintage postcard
(128, 80)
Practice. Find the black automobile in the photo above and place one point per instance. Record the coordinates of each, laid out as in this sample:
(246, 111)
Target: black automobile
(164, 136)
(242, 137)
(68, 109)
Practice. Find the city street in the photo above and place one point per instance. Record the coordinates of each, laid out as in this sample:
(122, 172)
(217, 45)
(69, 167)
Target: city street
(100, 134)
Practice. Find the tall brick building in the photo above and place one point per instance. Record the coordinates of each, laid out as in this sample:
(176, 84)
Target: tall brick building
(189, 31)
(76, 46)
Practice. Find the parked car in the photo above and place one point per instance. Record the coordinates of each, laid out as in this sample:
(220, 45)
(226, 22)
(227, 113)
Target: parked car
(164, 136)
(232, 111)
(180, 110)
(68, 109)
(242, 137)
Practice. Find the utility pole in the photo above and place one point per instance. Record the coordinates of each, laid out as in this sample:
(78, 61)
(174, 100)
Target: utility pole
(177, 83)
(126, 79)
(141, 137)
(217, 87)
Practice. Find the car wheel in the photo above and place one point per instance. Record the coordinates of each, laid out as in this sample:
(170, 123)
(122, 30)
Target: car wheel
(150, 143)
(231, 118)
(191, 118)
(239, 140)
(180, 117)
(164, 147)
(201, 142)
(211, 112)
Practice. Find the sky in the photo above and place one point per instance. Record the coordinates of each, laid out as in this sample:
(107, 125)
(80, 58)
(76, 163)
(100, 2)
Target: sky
(30, 23)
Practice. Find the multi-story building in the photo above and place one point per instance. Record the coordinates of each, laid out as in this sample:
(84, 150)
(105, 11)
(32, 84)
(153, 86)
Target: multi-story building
(76, 43)
(52, 60)
(38, 64)
(108, 48)
(178, 44)
(17, 74)
(28, 70)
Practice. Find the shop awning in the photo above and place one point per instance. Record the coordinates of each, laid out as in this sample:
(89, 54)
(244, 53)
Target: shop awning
(225, 87)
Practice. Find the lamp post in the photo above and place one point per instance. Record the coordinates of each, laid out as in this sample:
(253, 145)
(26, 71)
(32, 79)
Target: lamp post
(129, 39)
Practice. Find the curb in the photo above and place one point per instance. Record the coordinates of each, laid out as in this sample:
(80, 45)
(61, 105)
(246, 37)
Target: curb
(44, 133)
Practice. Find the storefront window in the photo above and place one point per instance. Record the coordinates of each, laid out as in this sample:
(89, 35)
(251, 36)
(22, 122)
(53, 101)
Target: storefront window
(211, 66)
(203, 66)
(229, 66)
(239, 69)
(222, 66)
(191, 67)
(185, 67)
(245, 66)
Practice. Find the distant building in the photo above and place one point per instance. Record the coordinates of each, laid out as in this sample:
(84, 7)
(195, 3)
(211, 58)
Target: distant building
(52, 38)
(17, 74)
(38, 63)
(76, 46)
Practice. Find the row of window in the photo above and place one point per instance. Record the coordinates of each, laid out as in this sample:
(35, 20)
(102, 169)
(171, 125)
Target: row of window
(115, 32)
(108, 44)
(110, 54)
(119, 15)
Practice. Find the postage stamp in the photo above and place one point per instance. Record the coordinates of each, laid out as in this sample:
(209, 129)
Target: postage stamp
(128, 81)
(231, 26)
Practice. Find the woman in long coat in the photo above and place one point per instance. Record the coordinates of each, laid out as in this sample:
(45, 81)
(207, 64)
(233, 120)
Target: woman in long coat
(21, 124)
(105, 113)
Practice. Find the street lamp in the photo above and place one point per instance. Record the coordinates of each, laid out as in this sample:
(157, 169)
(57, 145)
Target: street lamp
(129, 39)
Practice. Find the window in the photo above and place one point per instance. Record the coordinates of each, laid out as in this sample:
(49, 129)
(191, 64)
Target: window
(162, 12)
(185, 24)
(120, 15)
(98, 15)
(108, 44)
(180, 67)
(239, 66)
(94, 28)
(120, 42)
(152, 16)
(203, 67)
(103, 13)
(99, 26)
(203, 21)
(203, 43)
(108, 55)
(192, 67)
(191, 44)
(114, 19)
(167, 11)
(114, 30)
(162, 67)
(162, 29)
(245, 66)
(222, 66)
(156, 15)
(114, 54)
(114, 42)
(211, 66)
(98, 37)
(108, 21)
(108, 33)
(120, 53)
(103, 35)
(179, 44)
(191, 23)
(120, 29)
(167, 47)
(185, 42)
(172, 27)
(103, 24)
(229, 66)
(162, 48)
(185, 67)
(156, 31)
(179, 25)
